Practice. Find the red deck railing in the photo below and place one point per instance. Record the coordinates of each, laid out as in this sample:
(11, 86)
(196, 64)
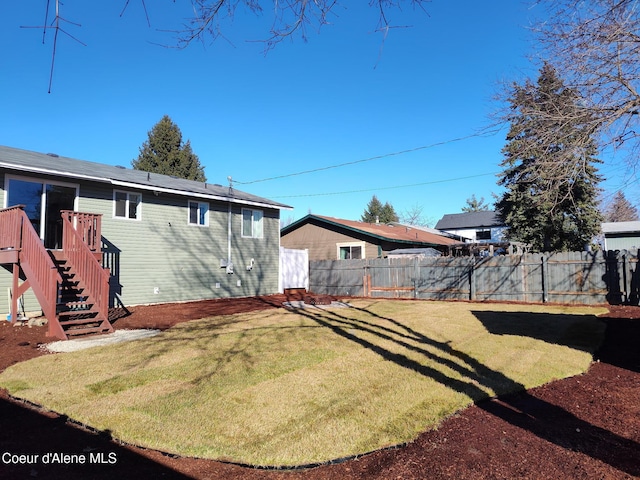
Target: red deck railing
(81, 243)
(87, 226)
(17, 233)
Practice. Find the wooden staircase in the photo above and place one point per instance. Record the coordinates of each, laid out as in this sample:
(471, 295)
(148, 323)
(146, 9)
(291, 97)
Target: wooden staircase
(77, 311)
(70, 284)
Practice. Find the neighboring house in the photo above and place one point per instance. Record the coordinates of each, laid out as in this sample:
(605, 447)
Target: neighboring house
(328, 238)
(414, 253)
(477, 227)
(162, 239)
(621, 235)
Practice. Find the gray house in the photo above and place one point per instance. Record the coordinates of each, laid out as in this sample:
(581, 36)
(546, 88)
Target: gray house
(621, 235)
(152, 238)
(476, 227)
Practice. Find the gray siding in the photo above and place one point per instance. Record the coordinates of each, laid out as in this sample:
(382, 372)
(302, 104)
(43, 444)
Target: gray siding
(162, 253)
(161, 258)
(623, 242)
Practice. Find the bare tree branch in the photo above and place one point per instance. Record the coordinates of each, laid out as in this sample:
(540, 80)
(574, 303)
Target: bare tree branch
(595, 46)
(290, 17)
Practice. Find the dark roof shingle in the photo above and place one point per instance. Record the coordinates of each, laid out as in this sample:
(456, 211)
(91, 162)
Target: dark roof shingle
(27, 161)
(457, 221)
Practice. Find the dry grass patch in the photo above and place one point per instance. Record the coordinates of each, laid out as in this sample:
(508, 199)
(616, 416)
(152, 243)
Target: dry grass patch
(298, 387)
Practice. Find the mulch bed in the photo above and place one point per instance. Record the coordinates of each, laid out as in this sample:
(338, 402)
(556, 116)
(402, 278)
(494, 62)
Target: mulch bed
(586, 426)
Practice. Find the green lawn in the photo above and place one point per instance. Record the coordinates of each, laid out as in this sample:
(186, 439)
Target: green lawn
(286, 388)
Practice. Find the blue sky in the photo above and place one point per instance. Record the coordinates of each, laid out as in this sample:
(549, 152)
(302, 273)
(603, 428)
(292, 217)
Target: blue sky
(345, 95)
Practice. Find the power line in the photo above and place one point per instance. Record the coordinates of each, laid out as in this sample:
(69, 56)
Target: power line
(377, 157)
(387, 188)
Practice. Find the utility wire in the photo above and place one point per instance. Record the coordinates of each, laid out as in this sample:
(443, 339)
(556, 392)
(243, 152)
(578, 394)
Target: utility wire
(377, 157)
(386, 188)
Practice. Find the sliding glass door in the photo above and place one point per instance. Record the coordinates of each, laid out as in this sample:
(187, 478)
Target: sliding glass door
(43, 202)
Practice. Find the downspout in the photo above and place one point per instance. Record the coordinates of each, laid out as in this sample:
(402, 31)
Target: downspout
(229, 238)
(229, 267)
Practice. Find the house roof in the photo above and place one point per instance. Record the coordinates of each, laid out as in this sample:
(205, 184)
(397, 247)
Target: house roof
(621, 227)
(459, 221)
(409, 252)
(393, 233)
(24, 161)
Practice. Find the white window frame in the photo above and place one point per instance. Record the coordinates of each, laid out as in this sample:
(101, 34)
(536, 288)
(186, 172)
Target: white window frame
(126, 208)
(257, 226)
(200, 206)
(362, 246)
(43, 202)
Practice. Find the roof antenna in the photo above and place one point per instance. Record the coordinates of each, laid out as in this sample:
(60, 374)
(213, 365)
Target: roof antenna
(230, 184)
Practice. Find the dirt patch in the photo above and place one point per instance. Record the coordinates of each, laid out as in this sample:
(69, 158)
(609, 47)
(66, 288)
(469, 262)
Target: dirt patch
(582, 427)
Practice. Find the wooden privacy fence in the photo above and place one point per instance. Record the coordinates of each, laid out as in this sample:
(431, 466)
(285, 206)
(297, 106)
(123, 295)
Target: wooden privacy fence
(567, 277)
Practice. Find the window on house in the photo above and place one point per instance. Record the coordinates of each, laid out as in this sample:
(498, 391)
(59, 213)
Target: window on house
(347, 251)
(127, 205)
(252, 223)
(199, 213)
(484, 234)
(42, 202)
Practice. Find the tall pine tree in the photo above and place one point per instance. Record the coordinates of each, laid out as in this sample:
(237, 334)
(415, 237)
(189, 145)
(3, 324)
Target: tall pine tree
(165, 153)
(620, 209)
(378, 213)
(549, 173)
(475, 205)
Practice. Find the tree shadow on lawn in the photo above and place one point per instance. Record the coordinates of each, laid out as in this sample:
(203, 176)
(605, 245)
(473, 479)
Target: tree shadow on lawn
(552, 422)
(403, 336)
(545, 420)
(575, 331)
(25, 431)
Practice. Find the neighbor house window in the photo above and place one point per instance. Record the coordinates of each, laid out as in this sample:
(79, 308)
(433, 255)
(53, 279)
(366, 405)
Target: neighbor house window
(127, 205)
(252, 223)
(199, 213)
(347, 251)
(484, 234)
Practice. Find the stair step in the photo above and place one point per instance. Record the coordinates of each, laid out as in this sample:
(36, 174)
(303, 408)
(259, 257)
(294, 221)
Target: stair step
(88, 313)
(72, 301)
(80, 321)
(73, 332)
(73, 306)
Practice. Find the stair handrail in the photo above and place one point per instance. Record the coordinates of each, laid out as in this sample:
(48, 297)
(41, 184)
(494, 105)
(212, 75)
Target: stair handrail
(11, 227)
(77, 237)
(88, 226)
(17, 232)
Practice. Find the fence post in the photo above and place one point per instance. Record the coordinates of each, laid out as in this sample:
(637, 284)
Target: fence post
(366, 281)
(544, 278)
(625, 290)
(416, 272)
(472, 279)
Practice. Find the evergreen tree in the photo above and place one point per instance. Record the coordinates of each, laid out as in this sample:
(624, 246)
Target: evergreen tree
(376, 212)
(389, 214)
(475, 205)
(620, 210)
(549, 168)
(165, 153)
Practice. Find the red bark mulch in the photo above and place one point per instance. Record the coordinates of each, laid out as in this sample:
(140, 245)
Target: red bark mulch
(582, 427)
